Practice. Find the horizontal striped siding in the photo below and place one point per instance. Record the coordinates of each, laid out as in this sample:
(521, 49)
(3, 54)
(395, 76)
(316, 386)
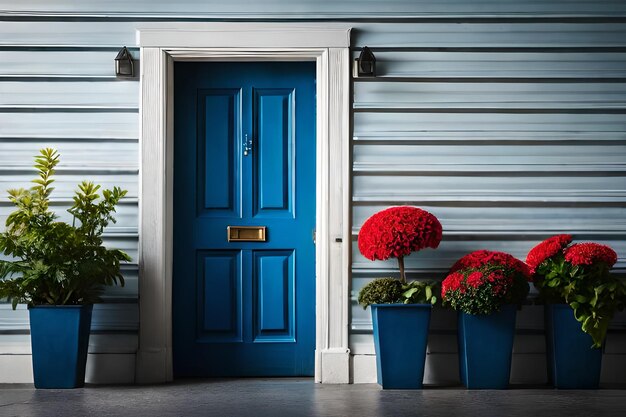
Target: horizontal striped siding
(422, 96)
(454, 245)
(116, 317)
(99, 343)
(83, 155)
(119, 96)
(529, 322)
(306, 9)
(69, 125)
(414, 36)
(65, 185)
(507, 119)
(53, 63)
(70, 100)
(481, 219)
(507, 135)
(489, 66)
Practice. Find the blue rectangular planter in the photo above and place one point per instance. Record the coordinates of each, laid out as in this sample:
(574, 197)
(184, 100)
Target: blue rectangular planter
(485, 348)
(572, 362)
(400, 339)
(60, 339)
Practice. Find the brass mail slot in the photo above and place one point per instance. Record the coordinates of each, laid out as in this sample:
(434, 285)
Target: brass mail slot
(246, 233)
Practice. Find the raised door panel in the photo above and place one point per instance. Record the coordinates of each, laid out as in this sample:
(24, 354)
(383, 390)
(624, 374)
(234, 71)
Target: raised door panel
(219, 302)
(219, 120)
(274, 166)
(273, 294)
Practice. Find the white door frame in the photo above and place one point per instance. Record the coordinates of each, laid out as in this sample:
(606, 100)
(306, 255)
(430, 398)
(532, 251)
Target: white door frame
(328, 46)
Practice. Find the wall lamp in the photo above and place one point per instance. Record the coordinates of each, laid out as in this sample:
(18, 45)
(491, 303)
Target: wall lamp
(124, 65)
(365, 64)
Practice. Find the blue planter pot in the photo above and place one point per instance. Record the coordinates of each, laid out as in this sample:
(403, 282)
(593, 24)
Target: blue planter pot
(400, 339)
(60, 338)
(485, 348)
(572, 362)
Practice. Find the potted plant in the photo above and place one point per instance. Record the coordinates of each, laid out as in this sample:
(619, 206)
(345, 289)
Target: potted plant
(400, 309)
(486, 287)
(580, 296)
(59, 270)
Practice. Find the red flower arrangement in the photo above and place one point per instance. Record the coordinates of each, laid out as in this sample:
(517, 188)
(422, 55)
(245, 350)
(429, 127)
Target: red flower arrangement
(396, 232)
(480, 282)
(579, 275)
(590, 253)
(483, 257)
(546, 249)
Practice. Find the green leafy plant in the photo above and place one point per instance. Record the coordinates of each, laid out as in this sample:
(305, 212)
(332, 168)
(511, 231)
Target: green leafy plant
(579, 275)
(391, 290)
(54, 262)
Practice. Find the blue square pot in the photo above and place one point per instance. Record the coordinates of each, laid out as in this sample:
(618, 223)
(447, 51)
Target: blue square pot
(400, 339)
(485, 348)
(59, 339)
(572, 362)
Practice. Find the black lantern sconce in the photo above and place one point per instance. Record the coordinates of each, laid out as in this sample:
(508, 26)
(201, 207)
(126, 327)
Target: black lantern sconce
(365, 64)
(124, 65)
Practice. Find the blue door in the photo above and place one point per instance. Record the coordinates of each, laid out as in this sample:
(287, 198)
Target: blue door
(244, 216)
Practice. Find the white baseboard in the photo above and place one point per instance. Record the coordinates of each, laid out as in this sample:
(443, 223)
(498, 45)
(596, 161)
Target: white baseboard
(16, 369)
(613, 366)
(19, 344)
(440, 369)
(335, 366)
(526, 368)
(103, 368)
(110, 368)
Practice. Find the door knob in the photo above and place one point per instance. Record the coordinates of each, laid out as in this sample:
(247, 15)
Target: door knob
(247, 145)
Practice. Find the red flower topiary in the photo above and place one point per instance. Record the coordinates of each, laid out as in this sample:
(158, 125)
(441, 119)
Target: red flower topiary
(396, 232)
(589, 253)
(546, 249)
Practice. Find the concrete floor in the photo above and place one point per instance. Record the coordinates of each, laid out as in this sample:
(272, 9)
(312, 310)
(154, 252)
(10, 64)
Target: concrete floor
(301, 397)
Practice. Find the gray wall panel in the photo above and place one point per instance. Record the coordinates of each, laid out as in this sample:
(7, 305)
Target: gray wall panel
(301, 9)
(489, 35)
(377, 35)
(496, 156)
(75, 154)
(126, 215)
(515, 187)
(66, 184)
(426, 95)
(584, 222)
(119, 95)
(52, 63)
(507, 63)
(113, 240)
(106, 317)
(65, 125)
(369, 124)
(86, 34)
(455, 246)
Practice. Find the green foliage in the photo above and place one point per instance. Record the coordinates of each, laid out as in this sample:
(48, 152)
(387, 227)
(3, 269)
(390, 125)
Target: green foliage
(590, 290)
(54, 262)
(391, 290)
(420, 292)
